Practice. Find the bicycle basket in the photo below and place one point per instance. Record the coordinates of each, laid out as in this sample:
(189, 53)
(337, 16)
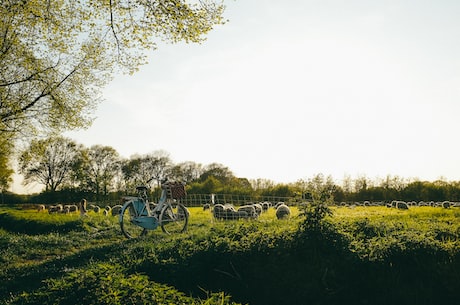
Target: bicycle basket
(175, 190)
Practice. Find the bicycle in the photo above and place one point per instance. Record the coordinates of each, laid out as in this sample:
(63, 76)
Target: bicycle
(138, 215)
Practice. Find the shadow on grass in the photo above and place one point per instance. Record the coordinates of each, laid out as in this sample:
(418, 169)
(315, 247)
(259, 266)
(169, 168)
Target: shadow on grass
(315, 267)
(27, 279)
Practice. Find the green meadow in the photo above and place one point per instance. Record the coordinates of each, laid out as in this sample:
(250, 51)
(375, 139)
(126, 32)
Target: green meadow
(360, 255)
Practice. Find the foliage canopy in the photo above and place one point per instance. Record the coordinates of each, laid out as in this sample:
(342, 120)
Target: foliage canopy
(56, 55)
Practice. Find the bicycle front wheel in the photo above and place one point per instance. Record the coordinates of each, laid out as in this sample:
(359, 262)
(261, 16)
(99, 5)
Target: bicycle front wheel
(174, 219)
(128, 227)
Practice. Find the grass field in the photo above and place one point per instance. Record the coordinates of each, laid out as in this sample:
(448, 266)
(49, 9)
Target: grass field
(362, 255)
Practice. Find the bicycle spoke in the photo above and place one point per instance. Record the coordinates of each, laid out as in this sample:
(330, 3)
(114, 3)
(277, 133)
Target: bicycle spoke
(174, 219)
(130, 229)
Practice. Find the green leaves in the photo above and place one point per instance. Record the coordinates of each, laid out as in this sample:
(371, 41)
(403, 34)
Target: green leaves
(55, 57)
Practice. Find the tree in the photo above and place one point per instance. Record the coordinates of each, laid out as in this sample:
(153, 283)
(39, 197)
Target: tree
(218, 171)
(101, 167)
(56, 55)
(261, 184)
(5, 167)
(186, 171)
(158, 165)
(48, 162)
(134, 172)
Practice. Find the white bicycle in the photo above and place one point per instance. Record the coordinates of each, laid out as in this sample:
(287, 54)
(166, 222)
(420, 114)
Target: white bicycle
(137, 215)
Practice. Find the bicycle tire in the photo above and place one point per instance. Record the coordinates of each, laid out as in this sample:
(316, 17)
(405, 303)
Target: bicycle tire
(174, 220)
(129, 229)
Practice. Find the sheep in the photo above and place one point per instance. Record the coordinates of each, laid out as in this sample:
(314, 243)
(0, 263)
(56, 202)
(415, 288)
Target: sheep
(41, 208)
(218, 211)
(55, 209)
(221, 211)
(278, 204)
(446, 204)
(206, 206)
(258, 208)
(402, 205)
(250, 210)
(95, 208)
(107, 211)
(116, 209)
(70, 208)
(228, 212)
(265, 206)
(283, 211)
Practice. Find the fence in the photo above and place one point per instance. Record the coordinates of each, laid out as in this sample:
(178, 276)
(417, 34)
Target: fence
(237, 200)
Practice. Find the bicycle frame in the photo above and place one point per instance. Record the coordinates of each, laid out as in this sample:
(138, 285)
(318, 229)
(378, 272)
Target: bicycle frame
(136, 215)
(143, 216)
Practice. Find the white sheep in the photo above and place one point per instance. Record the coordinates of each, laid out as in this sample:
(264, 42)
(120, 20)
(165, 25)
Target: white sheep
(55, 209)
(402, 205)
(266, 205)
(259, 208)
(228, 212)
(116, 209)
(70, 208)
(446, 204)
(107, 211)
(283, 211)
(250, 209)
(95, 208)
(41, 208)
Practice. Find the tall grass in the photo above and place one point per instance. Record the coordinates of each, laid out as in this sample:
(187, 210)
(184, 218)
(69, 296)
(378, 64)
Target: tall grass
(357, 256)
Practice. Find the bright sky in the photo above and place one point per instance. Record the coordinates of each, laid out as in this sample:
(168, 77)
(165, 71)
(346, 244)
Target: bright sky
(289, 89)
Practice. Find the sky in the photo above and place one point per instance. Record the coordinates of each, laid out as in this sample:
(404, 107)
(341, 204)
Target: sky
(289, 89)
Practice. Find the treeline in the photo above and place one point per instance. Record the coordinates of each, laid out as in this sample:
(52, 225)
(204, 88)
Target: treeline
(439, 190)
(69, 171)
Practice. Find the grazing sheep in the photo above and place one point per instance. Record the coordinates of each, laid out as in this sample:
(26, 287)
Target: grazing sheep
(107, 211)
(402, 205)
(259, 208)
(265, 206)
(95, 208)
(250, 210)
(58, 208)
(70, 208)
(228, 212)
(278, 204)
(283, 211)
(116, 209)
(446, 204)
(206, 206)
(218, 211)
(41, 208)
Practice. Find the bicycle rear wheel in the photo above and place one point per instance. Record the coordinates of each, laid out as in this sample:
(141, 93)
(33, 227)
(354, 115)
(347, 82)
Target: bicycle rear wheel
(174, 219)
(128, 227)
